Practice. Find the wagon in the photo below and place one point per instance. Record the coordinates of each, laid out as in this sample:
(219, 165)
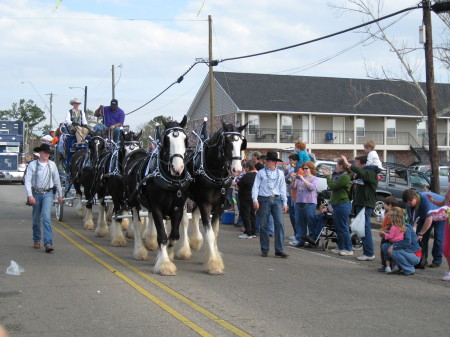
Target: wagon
(64, 151)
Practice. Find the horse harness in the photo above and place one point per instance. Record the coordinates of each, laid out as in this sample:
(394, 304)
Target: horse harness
(151, 166)
(201, 173)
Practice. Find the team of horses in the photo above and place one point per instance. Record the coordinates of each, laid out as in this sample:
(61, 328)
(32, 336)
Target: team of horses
(157, 182)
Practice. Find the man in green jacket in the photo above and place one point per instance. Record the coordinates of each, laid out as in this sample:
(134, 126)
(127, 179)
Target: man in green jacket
(365, 196)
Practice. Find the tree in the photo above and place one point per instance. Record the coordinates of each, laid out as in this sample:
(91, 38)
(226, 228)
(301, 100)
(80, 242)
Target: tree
(372, 9)
(148, 129)
(25, 111)
(90, 118)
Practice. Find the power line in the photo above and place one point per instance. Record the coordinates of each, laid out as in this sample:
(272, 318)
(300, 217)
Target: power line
(162, 92)
(106, 19)
(320, 38)
(216, 62)
(316, 63)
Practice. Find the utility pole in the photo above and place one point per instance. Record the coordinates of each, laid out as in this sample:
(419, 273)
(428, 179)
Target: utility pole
(85, 98)
(431, 97)
(113, 85)
(51, 108)
(211, 78)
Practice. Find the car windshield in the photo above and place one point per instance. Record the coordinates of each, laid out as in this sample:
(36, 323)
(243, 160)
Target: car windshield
(418, 179)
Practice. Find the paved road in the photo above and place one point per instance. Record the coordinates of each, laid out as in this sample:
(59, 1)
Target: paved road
(88, 288)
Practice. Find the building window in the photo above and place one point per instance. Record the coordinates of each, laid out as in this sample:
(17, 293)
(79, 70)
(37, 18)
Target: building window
(360, 127)
(253, 124)
(286, 125)
(391, 158)
(391, 128)
(421, 129)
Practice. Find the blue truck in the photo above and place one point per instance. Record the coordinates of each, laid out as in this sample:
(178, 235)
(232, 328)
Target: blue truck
(12, 151)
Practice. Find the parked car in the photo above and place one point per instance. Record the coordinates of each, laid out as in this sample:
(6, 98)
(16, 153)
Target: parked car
(443, 175)
(395, 179)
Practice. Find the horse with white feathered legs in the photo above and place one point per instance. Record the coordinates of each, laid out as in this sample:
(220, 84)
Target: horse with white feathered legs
(82, 173)
(158, 182)
(109, 174)
(213, 165)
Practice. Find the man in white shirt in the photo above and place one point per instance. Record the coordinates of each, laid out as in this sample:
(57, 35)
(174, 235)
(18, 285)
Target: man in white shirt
(269, 197)
(41, 176)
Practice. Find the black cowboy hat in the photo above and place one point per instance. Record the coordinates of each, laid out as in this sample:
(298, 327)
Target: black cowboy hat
(272, 156)
(44, 147)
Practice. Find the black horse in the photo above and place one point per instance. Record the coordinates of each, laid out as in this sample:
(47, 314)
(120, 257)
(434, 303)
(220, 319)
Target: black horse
(158, 182)
(82, 173)
(109, 175)
(214, 164)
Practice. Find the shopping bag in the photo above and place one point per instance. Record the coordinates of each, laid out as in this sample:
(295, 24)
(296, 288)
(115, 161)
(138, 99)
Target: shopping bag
(358, 224)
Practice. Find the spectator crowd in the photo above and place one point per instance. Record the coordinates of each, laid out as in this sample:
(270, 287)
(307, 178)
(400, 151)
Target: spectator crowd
(265, 190)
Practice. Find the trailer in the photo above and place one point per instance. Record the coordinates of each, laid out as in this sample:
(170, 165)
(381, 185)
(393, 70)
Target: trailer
(12, 155)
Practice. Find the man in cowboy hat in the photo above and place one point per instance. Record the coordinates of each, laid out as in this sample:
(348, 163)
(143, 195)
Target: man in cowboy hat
(76, 120)
(40, 179)
(269, 198)
(113, 119)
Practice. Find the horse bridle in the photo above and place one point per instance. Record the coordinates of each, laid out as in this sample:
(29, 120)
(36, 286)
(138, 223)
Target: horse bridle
(236, 136)
(175, 133)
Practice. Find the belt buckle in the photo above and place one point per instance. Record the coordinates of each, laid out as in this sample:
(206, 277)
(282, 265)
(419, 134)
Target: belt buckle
(272, 197)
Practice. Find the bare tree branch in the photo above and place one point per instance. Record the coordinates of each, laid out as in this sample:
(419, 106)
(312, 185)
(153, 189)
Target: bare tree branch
(367, 97)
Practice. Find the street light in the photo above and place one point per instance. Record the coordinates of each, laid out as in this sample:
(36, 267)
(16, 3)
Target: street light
(85, 95)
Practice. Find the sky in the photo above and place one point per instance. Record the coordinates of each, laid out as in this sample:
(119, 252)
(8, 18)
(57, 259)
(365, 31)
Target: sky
(151, 43)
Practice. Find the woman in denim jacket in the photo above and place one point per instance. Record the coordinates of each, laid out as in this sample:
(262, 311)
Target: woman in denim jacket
(407, 252)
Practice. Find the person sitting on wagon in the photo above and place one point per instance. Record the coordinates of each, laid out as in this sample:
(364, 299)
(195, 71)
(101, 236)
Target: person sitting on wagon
(113, 119)
(76, 121)
(47, 139)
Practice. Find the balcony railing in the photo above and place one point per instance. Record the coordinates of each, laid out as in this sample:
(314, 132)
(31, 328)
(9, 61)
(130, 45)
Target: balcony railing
(269, 135)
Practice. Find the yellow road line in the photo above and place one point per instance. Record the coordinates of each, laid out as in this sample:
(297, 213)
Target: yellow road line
(193, 305)
(136, 286)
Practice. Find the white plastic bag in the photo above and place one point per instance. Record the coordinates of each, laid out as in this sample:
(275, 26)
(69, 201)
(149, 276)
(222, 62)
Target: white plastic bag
(14, 269)
(358, 224)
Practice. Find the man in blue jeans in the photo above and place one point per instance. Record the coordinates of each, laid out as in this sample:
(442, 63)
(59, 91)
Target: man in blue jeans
(42, 174)
(365, 197)
(269, 197)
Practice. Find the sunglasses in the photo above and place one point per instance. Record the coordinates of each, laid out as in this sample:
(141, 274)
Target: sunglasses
(305, 168)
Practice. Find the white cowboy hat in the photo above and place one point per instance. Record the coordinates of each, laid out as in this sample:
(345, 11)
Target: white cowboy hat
(75, 100)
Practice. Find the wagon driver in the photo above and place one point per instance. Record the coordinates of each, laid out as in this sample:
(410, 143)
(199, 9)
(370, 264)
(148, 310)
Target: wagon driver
(76, 121)
(113, 119)
(41, 176)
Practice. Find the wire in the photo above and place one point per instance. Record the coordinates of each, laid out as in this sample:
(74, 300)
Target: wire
(320, 38)
(316, 63)
(216, 62)
(162, 92)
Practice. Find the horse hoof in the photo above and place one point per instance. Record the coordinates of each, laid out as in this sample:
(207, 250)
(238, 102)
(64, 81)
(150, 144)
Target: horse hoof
(216, 272)
(118, 243)
(168, 270)
(184, 254)
(89, 226)
(101, 234)
(141, 255)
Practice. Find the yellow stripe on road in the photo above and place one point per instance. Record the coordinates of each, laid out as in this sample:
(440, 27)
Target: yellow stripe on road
(144, 292)
(235, 330)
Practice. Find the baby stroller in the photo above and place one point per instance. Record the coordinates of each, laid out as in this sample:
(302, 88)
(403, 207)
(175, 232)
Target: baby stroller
(328, 232)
